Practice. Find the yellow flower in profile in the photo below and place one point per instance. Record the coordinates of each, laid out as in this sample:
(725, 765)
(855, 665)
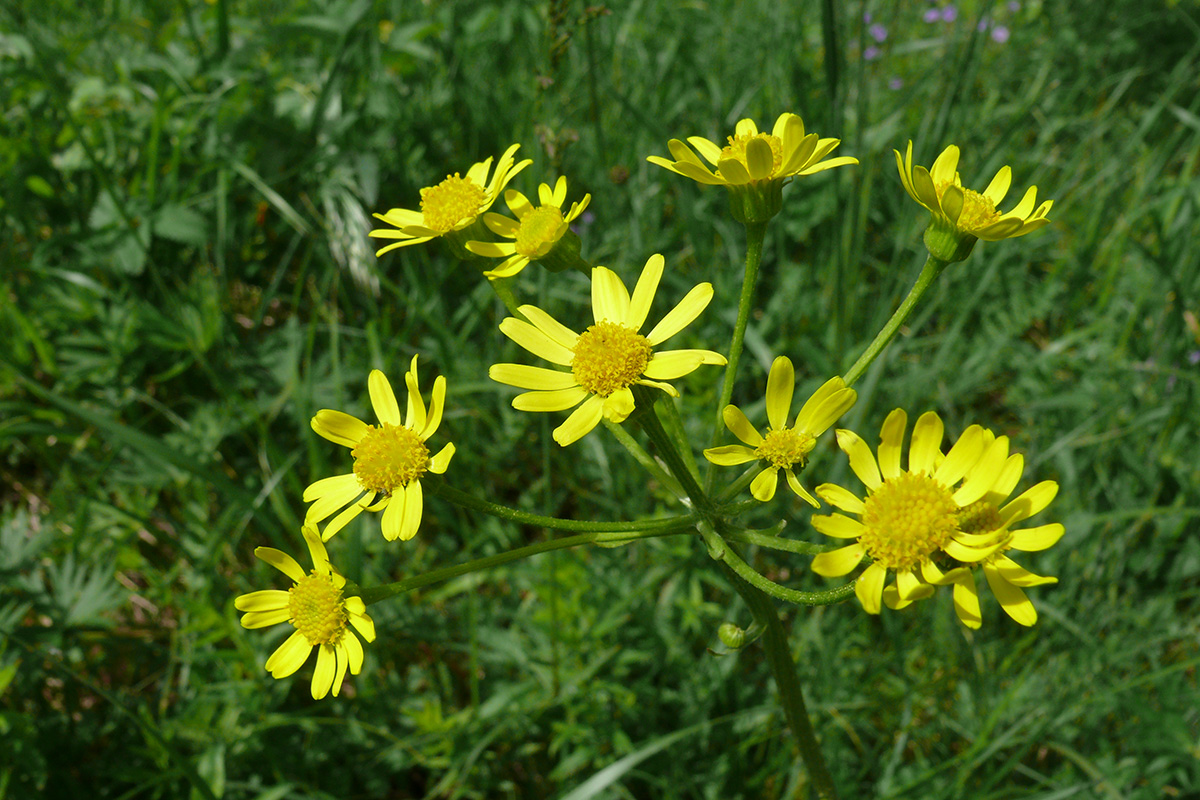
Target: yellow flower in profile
(909, 518)
(992, 516)
(783, 448)
(451, 209)
(754, 166)
(960, 215)
(607, 359)
(540, 234)
(389, 460)
(318, 611)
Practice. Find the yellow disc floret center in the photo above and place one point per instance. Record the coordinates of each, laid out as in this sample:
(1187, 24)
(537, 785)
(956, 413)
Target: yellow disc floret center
(786, 448)
(450, 202)
(737, 149)
(907, 519)
(979, 517)
(317, 609)
(609, 356)
(541, 227)
(977, 212)
(388, 457)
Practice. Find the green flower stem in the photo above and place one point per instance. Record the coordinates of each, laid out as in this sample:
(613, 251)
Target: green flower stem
(767, 586)
(446, 492)
(503, 289)
(778, 543)
(783, 669)
(645, 459)
(744, 480)
(373, 594)
(933, 267)
(755, 233)
(644, 399)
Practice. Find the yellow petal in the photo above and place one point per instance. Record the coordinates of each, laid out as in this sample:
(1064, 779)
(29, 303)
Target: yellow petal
(740, 426)
(556, 400)
(437, 405)
(799, 489)
(558, 333)
(581, 421)
(1033, 539)
(280, 561)
(760, 161)
(671, 364)
(339, 427)
(781, 382)
(963, 456)
(528, 377)
(966, 601)
(836, 525)
(681, 315)
(536, 341)
(926, 443)
(610, 299)
(1012, 599)
(945, 166)
(289, 656)
(998, 188)
(841, 498)
(869, 588)
(414, 418)
(264, 619)
(354, 652)
(730, 455)
(764, 484)
(644, 291)
(322, 679)
(439, 463)
(338, 484)
(393, 517)
(383, 400)
(838, 562)
(264, 600)
(1031, 502)
(861, 461)
(891, 441)
(414, 506)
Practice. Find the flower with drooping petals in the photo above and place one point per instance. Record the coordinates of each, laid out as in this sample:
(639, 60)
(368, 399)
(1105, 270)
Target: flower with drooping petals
(607, 359)
(961, 216)
(389, 459)
(450, 211)
(317, 609)
(783, 448)
(991, 515)
(539, 234)
(754, 166)
(909, 518)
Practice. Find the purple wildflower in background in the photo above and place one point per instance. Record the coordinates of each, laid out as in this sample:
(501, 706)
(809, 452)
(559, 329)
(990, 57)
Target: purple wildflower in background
(1014, 6)
(871, 53)
(949, 14)
(1194, 357)
(895, 83)
(983, 25)
(1000, 34)
(866, 16)
(878, 32)
(932, 15)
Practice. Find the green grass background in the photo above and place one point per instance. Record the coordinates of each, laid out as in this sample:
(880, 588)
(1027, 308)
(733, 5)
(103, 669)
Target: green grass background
(185, 196)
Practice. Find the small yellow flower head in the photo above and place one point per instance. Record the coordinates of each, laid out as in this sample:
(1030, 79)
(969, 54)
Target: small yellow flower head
(450, 211)
(541, 234)
(317, 609)
(783, 447)
(607, 359)
(389, 459)
(991, 515)
(961, 216)
(754, 166)
(909, 519)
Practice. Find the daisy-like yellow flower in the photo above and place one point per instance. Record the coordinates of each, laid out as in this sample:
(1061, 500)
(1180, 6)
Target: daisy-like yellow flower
(782, 448)
(389, 459)
(318, 611)
(541, 234)
(451, 209)
(754, 166)
(911, 517)
(992, 516)
(608, 358)
(962, 216)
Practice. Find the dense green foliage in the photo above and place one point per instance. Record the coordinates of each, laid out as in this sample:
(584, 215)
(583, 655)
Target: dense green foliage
(185, 192)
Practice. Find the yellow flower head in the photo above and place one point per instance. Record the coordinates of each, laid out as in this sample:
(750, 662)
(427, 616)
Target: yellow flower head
(909, 518)
(389, 459)
(754, 166)
(783, 447)
(540, 234)
(607, 359)
(451, 209)
(318, 611)
(962, 216)
(991, 515)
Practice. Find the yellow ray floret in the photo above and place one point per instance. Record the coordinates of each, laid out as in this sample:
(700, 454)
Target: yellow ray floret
(321, 615)
(608, 358)
(535, 233)
(783, 447)
(389, 459)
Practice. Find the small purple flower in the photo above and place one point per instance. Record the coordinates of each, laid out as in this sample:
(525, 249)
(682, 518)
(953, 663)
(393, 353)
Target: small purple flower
(1014, 6)
(878, 32)
(932, 15)
(895, 84)
(1000, 34)
(983, 25)
(866, 16)
(949, 14)
(871, 53)
(1194, 357)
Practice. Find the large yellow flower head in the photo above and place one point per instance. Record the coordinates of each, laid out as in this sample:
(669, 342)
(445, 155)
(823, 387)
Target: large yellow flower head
(451, 210)
(909, 518)
(607, 359)
(962, 216)
(318, 611)
(389, 459)
(783, 447)
(754, 166)
(992, 515)
(541, 234)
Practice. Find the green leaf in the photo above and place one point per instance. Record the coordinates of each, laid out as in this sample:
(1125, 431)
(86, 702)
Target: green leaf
(179, 224)
(39, 186)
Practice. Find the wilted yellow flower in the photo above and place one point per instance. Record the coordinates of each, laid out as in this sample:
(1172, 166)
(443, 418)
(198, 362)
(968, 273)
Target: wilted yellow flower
(782, 447)
(315, 607)
(389, 460)
(451, 209)
(754, 166)
(541, 234)
(961, 216)
(991, 515)
(608, 358)
(909, 518)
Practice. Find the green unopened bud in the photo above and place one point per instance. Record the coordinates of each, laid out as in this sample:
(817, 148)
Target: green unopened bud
(947, 243)
(564, 255)
(731, 635)
(755, 202)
